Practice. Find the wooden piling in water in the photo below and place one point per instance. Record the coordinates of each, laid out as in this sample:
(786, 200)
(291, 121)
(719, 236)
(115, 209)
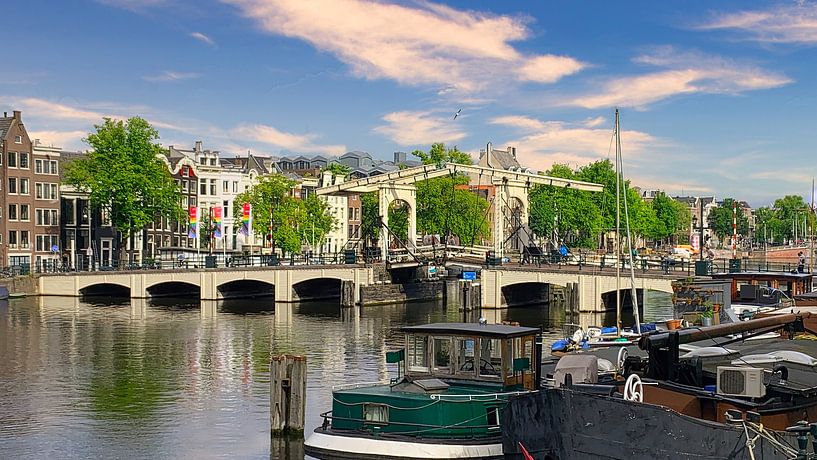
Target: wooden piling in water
(287, 394)
(347, 293)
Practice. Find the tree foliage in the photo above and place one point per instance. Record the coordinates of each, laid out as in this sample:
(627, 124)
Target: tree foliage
(124, 175)
(445, 205)
(720, 220)
(438, 154)
(779, 222)
(338, 169)
(288, 221)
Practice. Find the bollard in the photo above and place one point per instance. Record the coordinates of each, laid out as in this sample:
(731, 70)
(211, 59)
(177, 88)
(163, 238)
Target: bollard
(287, 394)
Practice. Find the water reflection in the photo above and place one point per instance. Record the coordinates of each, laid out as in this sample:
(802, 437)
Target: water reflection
(170, 378)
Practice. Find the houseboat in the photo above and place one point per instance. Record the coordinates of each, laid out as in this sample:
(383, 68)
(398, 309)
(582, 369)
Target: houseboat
(446, 404)
(702, 392)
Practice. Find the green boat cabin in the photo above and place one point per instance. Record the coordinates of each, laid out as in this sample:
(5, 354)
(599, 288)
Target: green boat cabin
(456, 379)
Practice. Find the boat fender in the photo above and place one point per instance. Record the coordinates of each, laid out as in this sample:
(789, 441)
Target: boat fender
(784, 373)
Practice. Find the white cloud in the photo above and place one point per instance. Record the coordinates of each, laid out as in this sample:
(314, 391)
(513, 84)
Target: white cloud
(273, 137)
(65, 139)
(424, 44)
(779, 24)
(170, 75)
(686, 73)
(410, 128)
(202, 38)
(543, 143)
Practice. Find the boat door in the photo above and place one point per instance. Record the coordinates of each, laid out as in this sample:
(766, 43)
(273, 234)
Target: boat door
(518, 359)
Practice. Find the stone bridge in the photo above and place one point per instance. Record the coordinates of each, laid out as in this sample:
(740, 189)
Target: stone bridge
(286, 283)
(501, 288)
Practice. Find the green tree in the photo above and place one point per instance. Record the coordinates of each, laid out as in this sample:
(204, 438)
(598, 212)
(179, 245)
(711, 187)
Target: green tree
(399, 220)
(564, 214)
(370, 218)
(124, 176)
(439, 154)
(338, 169)
(318, 221)
(269, 195)
(445, 205)
(720, 220)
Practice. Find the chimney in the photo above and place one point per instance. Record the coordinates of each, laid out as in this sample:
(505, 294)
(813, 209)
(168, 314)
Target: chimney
(17, 115)
(5, 114)
(198, 146)
(512, 151)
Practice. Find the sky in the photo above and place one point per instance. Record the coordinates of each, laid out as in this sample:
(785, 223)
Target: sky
(716, 98)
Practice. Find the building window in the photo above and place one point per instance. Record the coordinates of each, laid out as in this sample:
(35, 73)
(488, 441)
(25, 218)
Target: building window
(12, 212)
(53, 168)
(203, 187)
(69, 211)
(45, 217)
(18, 139)
(213, 187)
(235, 186)
(53, 189)
(23, 186)
(44, 243)
(225, 186)
(203, 160)
(184, 186)
(13, 238)
(23, 160)
(24, 215)
(226, 211)
(38, 191)
(12, 161)
(213, 161)
(24, 239)
(38, 166)
(12, 185)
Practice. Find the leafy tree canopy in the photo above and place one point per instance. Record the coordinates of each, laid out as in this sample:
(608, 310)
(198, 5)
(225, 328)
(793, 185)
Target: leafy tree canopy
(338, 169)
(123, 173)
(439, 154)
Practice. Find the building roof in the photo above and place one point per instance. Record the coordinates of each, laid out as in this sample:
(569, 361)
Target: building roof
(5, 125)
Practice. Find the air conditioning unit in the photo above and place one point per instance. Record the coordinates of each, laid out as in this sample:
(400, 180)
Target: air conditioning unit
(741, 381)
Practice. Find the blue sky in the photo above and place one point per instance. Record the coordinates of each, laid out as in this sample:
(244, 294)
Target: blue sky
(716, 97)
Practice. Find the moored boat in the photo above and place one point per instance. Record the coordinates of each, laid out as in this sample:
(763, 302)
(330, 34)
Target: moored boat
(756, 399)
(447, 404)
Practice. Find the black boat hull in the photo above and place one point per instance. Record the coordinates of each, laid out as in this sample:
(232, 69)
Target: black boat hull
(561, 424)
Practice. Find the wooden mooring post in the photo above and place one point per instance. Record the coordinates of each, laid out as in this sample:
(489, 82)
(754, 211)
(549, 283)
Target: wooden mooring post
(287, 394)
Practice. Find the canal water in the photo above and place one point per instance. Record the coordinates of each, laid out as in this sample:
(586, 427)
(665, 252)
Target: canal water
(115, 379)
(174, 379)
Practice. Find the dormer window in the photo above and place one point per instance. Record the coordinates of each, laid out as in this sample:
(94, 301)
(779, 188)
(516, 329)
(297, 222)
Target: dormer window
(18, 139)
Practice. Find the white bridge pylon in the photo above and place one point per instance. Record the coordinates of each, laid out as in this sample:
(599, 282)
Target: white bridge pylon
(399, 185)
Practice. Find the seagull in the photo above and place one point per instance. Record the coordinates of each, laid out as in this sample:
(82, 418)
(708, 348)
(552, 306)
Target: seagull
(457, 114)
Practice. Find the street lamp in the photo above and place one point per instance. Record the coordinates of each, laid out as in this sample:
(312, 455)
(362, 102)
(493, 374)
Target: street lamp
(87, 216)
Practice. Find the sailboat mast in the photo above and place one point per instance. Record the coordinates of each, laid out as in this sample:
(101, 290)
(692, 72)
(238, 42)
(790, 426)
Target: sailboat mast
(633, 291)
(618, 226)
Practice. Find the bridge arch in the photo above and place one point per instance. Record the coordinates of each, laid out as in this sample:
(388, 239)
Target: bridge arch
(105, 290)
(316, 289)
(530, 293)
(174, 289)
(245, 289)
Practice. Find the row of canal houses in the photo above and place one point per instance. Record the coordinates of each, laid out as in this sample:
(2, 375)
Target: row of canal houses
(45, 224)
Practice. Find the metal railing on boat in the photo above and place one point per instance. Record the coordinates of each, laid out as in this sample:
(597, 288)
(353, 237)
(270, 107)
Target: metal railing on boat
(352, 386)
(485, 431)
(478, 397)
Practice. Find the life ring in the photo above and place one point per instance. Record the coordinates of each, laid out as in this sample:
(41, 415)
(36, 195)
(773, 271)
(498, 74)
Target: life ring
(622, 357)
(634, 389)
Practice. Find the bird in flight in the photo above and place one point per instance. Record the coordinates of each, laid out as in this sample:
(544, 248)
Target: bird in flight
(457, 113)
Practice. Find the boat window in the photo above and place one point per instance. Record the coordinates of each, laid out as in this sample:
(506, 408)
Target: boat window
(490, 357)
(376, 413)
(492, 414)
(465, 355)
(515, 347)
(417, 353)
(442, 354)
